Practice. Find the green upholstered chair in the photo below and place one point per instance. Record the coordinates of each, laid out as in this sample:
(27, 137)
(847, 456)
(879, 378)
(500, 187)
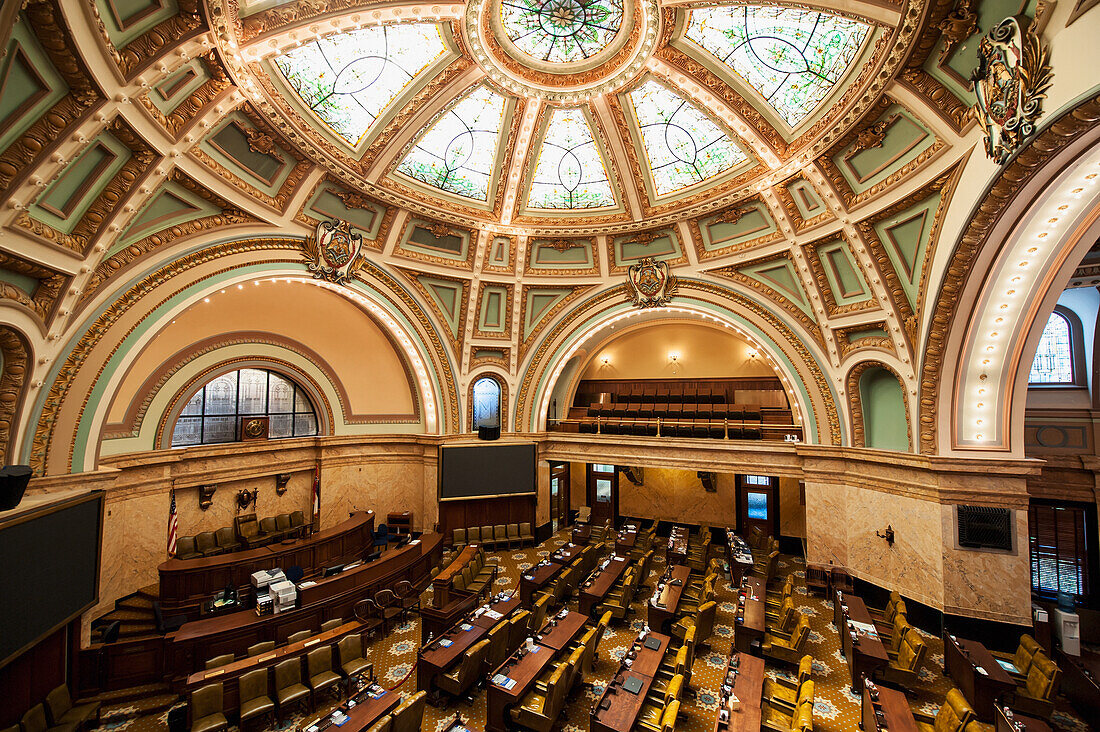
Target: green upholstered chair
(410, 715)
(321, 676)
(35, 721)
(207, 713)
(289, 689)
(60, 709)
(255, 702)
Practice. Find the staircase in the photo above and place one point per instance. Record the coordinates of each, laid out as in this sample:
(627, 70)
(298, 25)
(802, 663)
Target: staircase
(134, 612)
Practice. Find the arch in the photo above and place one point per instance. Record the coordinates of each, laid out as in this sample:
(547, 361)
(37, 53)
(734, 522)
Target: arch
(872, 386)
(15, 359)
(485, 377)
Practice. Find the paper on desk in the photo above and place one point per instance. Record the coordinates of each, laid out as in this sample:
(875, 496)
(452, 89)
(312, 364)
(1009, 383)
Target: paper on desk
(865, 628)
(493, 614)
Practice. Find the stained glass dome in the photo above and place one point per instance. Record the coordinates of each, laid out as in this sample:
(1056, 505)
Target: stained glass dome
(561, 31)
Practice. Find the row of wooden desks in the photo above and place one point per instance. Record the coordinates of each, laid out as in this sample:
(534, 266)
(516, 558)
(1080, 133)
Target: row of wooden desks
(621, 702)
(678, 540)
(665, 602)
(362, 711)
(977, 674)
(536, 579)
(444, 651)
(515, 677)
(886, 709)
(566, 554)
(582, 534)
(744, 681)
(595, 589)
(864, 652)
(739, 555)
(750, 614)
(626, 539)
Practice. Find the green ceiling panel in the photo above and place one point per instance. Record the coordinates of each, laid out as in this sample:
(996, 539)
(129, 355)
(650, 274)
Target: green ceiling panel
(68, 198)
(29, 84)
(171, 206)
(454, 245)
(904, 139)
(780, 276)
(326, 204)
(500, 252)
(545, 256)
(174, 90)
(448, 296)
(884, 423)
(493, 310)
(805, 198)
(24, 282)
(635, 247)
(540, 301)
(229, 145)
(126, 20)
(843, 273)
(753, 221)
(906, 237)
(855, 335)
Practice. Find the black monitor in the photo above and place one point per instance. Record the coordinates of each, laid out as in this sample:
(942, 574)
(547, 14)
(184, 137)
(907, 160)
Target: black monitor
(329, 571)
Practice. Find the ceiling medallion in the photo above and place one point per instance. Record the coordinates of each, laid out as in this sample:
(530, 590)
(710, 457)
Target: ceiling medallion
(562, 50)
(650, 283)
(335, 252)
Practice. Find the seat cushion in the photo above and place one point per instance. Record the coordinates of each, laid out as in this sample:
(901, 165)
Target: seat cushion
(292, 693)
(354, 666)
(209, 722)
(323, 679)
(256, 707)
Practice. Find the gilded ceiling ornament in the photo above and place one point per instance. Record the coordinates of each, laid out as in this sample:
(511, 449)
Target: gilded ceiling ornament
(335, 252)
(562, 245)
(872, 137)
(1010, 82)
(960, 24)
(354, 199)
(440, 230)
(259, 141)
(730, 216)
(650, 284)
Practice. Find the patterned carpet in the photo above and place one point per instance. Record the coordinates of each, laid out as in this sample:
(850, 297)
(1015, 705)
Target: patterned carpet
(835, 708)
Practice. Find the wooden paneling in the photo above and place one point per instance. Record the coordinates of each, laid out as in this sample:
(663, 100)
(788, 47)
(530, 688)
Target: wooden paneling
(484, 512)
(26, 680)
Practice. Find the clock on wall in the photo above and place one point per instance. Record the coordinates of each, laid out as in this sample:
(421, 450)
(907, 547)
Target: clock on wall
(253, 428)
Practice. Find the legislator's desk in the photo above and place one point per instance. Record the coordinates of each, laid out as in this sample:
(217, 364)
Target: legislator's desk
(678, 540)
(497, 610)
(626, 539)
(536, 579)
(645, 660)
(185, 583)
(445, 651)
(594, 590)
(617, 709)
(566, 554)
(333, 597)
(458, 725)
(582, 534)
(1081, 683)
(739, 555)
(750, 614)
(560, 631)
(229, 675)
(368, 709)
(961, 660)
(524, 667)
(866, 653)
(889, 712)
(666, 597)
(748, 686)
(1018, 722)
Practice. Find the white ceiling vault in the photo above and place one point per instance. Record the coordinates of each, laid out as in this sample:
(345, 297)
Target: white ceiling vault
(806, 169)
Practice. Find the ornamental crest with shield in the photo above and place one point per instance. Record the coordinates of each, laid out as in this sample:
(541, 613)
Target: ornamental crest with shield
(335, 251)
(650, 283)
(1010, 82)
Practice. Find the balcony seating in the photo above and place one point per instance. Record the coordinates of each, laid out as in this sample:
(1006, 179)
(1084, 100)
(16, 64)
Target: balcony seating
(783, 693)
(954, 714)
(255, 702)
(60, 709)
(206, 709)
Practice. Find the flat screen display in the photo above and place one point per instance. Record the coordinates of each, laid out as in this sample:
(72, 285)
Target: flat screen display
(49, 566)
(473, 471)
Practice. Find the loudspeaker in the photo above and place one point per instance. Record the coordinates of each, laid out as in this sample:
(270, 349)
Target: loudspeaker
(13, 482)
(488, 433)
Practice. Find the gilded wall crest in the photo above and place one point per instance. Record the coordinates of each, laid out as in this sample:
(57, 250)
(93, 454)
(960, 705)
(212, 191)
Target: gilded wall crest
(335, 252)
(1010, 82)
(650, 283)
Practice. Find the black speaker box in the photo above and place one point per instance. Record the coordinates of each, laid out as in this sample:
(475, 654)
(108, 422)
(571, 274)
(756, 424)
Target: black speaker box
(488, 433)
(13, 482)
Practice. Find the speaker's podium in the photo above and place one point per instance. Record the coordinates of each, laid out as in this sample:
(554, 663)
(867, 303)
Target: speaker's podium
(488, 433)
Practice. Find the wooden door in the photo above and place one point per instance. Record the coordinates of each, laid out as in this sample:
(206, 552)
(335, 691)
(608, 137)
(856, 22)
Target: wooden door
(559, 495)
(603, 493)
(758, 504)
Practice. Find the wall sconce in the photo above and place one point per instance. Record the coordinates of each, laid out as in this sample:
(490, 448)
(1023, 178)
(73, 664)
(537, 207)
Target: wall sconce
(605, 360)
(281, 479)
(888, 535)
(752, 353)
(674, 359)
(206, 496)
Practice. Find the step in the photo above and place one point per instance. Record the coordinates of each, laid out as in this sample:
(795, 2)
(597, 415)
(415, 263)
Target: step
(137, 632)
(127, 614)
(135, 602)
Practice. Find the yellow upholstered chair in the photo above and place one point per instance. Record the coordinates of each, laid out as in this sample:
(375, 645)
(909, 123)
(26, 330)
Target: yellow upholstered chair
(652, 714)
(1036, 696)
(498, 646)
(60, 709)
(385, 724)
(35, 721)
(587, 644)
(783, 693)
(518, 628)
(221, 660)
(601, 628)
(257, 649)
(410, 715)
(784, 619)
(774, 600)
(618, 601)
(206, 709)
(301, 635)
(904, 669)
(893, 640)
(804, 719)
(953, 716)
(538, 614)
(702, 621)
(1021, 659)
(463, 674)
(668, 719)
(782, 718)
(539, 709)
(790, 650)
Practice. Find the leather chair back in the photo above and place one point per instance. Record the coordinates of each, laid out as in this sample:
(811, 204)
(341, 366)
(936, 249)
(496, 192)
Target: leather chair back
(287, 674)
(319, 660)
(954, 713)
(225, 538)
(517, 629)
(498, 645)
(34, 720)
(205, 541)
(298, 637)
(1043, 678)
(268, 525)
(805, 669)
(282, 521)
(206, 701)
(262, 647)
(58, 702)
(805, 694)
(253, 685)
(668, 719)
(705, 620)
(297, 519)
(350, 648)
(185, 545)
(221, 660)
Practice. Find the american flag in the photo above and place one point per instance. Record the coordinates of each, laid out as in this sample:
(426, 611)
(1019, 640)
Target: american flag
(317, 493)
(173, 526)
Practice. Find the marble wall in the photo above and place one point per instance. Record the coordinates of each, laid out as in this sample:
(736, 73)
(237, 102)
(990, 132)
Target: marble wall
(678, 496)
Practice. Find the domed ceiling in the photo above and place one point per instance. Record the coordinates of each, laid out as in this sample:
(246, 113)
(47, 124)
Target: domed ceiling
(565, 113)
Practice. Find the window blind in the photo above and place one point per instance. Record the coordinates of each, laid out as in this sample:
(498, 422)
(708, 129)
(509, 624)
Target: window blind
(1059, 550)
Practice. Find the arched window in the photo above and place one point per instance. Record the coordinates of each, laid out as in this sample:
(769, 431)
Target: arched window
(486, 406)
(1053, 362)
(213, 413)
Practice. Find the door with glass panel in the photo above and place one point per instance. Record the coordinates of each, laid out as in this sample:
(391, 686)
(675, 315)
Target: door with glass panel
(758, 504)
(559, 495)
(603, 493)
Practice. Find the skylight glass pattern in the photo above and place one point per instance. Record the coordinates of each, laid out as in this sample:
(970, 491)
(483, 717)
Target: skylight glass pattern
(569, 172)
(457, 153)
(683, 145)
(561, 31)
(349, 79)
(792, 57)
(1053, 362)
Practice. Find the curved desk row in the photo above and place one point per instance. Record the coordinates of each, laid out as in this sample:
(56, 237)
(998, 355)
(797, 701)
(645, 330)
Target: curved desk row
(334, 597)
(186, 583)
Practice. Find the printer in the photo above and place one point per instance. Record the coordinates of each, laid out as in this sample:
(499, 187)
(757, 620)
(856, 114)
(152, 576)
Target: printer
(284, 595)
(267, 577)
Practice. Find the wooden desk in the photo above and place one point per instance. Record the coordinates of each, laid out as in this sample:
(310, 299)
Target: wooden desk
(436, 658)
(229, 675)
(961, 660)
(352, 579)
(559, 633)
(894, 706)
(622, 708)
(441, 585)
(1019, 723)
(739, 555)
(1081, 683)
(647, 661)
(677, 545)
(750, 614)
(597, 587)
(566, 554)
(748, 687)
(625, 541)
(525, 670)
(504, 607)
(866, 654)
(582, 534)
(662, 614)
(187, 649)
(535, 579)
(365, 713)
(185, 583)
